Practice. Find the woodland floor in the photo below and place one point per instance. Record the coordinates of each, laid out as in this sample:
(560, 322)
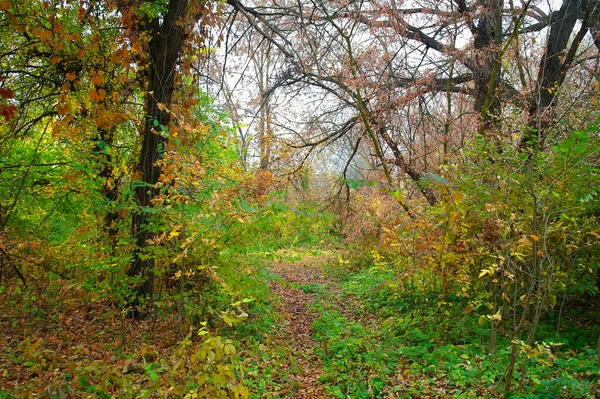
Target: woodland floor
(299, 319)
(40, 343)
(324, 340)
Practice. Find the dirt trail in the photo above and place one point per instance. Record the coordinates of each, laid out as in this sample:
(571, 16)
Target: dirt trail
(299, 320)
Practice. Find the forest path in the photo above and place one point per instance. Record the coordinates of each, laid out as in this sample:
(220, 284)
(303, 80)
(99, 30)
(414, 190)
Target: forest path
(299, 281)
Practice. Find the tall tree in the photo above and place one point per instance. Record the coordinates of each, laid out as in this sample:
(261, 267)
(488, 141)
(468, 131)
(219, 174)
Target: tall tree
(167, 26)
(556, 61)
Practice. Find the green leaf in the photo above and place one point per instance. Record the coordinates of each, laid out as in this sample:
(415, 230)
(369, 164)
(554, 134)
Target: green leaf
(437, 178)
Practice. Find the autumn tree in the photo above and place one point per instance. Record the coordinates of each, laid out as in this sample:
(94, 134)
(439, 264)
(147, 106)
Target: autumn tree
(460, 66)
(161, 33)
(75, 74)
(69, 76)
(244, 70)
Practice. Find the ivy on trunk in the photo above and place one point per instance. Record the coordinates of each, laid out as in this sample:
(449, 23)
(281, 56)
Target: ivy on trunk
(164, 50)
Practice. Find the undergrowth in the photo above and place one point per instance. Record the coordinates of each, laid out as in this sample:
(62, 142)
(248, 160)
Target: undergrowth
(218, 336)
(377, 342)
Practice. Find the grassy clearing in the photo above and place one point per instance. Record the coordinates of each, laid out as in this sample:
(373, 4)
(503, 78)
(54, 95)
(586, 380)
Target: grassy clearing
(377, 343)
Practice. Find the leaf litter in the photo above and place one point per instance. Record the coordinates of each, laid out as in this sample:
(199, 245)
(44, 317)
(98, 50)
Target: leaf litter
(299, 318)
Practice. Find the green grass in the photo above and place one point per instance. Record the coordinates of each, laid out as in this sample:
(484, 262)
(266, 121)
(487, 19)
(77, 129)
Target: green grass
(375, 341)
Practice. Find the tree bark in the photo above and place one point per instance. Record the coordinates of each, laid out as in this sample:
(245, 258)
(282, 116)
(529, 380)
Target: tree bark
(551, 73)
(486, 66)
(164, 51)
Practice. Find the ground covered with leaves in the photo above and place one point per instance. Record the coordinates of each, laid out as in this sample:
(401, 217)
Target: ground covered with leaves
(295, 287)
(318, 327)
(377, 343)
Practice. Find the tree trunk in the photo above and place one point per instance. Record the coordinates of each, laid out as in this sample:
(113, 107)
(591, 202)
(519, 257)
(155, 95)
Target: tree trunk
(262, 61)
(164, 50)
(109, 190)
(486, 72)
(551, 72)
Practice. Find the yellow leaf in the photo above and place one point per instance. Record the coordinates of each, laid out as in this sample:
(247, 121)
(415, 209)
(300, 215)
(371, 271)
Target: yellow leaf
(534, 237)
(484, 272)
(399, 197)
(174, 233)
(497, 316)
(229, 349)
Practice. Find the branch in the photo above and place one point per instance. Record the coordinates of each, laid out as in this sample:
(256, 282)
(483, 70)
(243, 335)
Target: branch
(413, 33)
(345, 172)
(7, 167)
(345, 128)
(247, 11)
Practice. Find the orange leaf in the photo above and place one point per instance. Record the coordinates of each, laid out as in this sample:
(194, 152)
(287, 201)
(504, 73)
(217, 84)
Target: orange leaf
(93, 95)
(4, 5)
(43, 33)
(63, 109)
(96, 95)
(97, 78)
(55, 59)
(71, 76)
(6, 93)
